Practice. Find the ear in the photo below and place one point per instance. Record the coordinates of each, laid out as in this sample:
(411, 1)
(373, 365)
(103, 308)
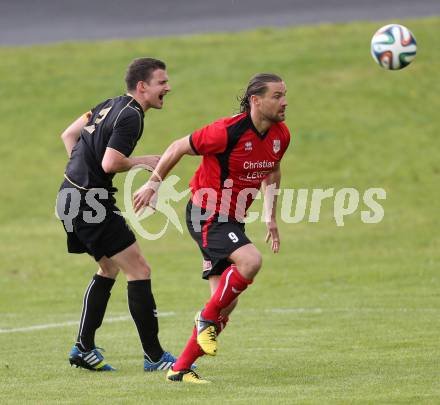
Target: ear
(140, 86)
(254, 100)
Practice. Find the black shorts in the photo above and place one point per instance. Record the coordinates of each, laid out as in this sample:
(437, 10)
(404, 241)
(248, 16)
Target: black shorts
(217, 238)
(107, 237)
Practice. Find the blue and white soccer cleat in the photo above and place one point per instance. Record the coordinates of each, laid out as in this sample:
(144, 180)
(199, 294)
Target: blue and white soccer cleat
(92, 360)
(164, 363)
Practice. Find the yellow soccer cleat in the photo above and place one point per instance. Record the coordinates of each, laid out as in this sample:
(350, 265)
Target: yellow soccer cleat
(186, 376)
(206, 334)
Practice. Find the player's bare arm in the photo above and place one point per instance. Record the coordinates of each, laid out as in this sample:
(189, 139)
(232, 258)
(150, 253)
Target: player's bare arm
(169, 159)
(116, 162)
(270, 205)
(71, 134)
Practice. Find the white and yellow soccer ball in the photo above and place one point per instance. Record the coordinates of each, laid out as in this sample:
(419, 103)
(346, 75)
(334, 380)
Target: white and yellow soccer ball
(393, 47)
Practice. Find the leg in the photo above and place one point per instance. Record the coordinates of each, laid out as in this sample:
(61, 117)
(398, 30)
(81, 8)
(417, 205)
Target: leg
(192, 349)
(132, 263)
(223, 319)
(108, 268)
(247, 262)
(95, 303)
(141, 300)
(234, 280)
(215, 242)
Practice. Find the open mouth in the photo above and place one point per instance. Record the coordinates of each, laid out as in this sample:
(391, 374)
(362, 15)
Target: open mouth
(161, 97)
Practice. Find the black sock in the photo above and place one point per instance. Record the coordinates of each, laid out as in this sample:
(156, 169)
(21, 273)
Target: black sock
(94, 304)
(143, 310)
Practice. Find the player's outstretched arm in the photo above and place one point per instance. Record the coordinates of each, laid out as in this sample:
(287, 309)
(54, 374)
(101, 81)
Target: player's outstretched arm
(116, 162)
(169, 159)
(71, 134)
(270, 188)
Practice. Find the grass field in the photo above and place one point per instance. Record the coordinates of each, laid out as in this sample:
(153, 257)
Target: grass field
(343, 315)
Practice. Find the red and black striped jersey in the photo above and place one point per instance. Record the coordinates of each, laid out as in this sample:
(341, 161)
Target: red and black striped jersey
(236, 159)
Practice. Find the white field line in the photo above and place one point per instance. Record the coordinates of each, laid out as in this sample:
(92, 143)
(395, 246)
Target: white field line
(73, 323)
(281, 311)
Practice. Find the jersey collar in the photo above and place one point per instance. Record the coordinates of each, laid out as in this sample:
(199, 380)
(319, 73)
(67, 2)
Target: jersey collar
(252, 126)
(135, 104)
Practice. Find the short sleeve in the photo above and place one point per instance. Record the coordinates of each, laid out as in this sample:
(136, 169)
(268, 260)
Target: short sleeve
(285, 140)
(125, 134)
(211, 139)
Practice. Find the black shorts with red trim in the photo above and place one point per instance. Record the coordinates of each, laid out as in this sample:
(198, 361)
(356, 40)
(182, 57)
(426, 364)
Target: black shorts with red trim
(107, 237)
(218, 237)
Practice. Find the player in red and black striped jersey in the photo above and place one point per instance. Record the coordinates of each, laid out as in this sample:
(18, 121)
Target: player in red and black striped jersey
(241, 154)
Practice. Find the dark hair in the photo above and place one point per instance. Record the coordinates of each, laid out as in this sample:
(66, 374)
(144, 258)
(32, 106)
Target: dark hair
(140, 69)
(257, 86)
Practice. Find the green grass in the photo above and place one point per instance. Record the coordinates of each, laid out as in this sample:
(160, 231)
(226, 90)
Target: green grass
(342, 315)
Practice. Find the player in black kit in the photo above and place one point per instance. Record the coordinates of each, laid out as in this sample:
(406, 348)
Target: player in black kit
(99, 144)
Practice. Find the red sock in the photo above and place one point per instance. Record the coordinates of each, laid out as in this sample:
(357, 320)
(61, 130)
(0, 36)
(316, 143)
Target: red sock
(190, 354)
(192, 350)
(232, 283)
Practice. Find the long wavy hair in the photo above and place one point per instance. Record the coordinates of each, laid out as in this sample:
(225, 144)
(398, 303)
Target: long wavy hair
(257, 86)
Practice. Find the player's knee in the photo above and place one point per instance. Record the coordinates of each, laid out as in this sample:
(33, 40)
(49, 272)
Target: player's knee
(255, 262)
(258, 262)
(147, 271)
(105, 272)
(142, 269)
(108, 270)
(250, 265)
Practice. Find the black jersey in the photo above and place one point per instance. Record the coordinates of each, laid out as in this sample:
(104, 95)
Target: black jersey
(116, 123)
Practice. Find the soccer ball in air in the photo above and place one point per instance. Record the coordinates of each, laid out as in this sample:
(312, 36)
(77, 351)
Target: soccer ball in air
(393, 47)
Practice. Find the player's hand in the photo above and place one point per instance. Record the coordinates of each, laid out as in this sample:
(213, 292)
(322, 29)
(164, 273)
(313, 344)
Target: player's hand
(145, 196)
(152, 161)
(272, 234)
